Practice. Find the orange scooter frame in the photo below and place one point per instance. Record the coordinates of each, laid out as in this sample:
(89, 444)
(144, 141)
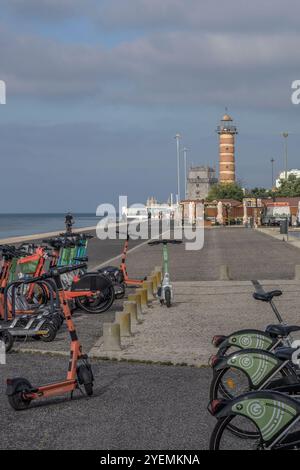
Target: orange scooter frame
(127, 280)
(20, 392)
(4, 278)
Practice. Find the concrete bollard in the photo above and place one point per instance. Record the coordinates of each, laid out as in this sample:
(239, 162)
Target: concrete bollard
(158, 270)
(137, 298)
(111, 336)
(149, 286)
(153, 278)
(131, 308)
(297, 272)
(144, 298)
(156, 274)
(124, 320)
(159, 277)
(224, 272)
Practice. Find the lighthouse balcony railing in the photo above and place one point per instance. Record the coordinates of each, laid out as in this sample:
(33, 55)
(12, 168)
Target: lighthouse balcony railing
(227, 128)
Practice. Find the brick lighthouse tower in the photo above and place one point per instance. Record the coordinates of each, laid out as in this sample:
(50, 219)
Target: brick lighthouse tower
(227, 132)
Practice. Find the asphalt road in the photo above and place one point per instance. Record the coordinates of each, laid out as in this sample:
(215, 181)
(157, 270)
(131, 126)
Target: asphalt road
(134, 406)
(248, 253)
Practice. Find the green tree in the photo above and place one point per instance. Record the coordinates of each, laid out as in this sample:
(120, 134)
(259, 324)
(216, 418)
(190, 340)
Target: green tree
(289, 187)
(225, 191)
(259, 192)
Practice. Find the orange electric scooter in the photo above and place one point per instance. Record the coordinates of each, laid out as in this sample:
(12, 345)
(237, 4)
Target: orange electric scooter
(127, 280)
(19, 390)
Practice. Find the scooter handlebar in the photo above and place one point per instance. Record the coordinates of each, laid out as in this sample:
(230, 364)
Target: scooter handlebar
(164, 242)
(53, 272)
(65, 269)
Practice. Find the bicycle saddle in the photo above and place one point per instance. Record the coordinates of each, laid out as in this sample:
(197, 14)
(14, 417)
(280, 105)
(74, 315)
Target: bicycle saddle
(267, 296)
(281, 330)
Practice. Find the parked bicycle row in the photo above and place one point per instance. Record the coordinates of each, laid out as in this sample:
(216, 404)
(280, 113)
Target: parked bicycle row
(255, 389)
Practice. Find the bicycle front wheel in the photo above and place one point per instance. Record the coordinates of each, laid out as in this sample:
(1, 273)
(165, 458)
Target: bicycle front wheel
(222, 437)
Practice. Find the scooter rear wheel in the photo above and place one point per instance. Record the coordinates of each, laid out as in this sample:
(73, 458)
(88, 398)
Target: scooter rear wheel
(121, 292)
(17, 400)
(88, 389)
(85, 377)
(8, 340)
(51, 333)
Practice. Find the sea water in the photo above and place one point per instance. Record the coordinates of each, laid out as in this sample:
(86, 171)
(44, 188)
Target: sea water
(14, 225)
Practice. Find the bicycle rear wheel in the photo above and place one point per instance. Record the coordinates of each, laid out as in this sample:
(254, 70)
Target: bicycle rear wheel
(230, 383)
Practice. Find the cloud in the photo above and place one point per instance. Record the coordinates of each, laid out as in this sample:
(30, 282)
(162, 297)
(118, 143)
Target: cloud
(35, 66)
(48, 10)
(153, 15)
(186, 60)
(167, 68)
(231, 15)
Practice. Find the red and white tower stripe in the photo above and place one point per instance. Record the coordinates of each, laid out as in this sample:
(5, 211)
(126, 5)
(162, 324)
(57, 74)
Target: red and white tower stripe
(227, 132)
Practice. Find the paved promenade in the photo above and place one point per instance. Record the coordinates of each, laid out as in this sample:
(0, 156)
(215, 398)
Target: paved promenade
(248, 253)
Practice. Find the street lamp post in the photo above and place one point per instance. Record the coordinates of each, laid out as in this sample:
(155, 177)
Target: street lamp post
(285, 135)
(178, 137)
(185, 171)
(272, 165)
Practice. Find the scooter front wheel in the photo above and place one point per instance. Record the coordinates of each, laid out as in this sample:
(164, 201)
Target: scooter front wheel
(168, 297)
(97, 305)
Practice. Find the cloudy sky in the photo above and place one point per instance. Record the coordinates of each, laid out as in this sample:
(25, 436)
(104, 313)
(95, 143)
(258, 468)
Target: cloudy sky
(97, 89)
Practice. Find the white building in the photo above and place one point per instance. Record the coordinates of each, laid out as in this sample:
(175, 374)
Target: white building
(282, 176)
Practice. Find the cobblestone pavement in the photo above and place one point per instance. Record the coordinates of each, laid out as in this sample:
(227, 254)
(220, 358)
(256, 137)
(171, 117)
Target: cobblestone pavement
(182, 334)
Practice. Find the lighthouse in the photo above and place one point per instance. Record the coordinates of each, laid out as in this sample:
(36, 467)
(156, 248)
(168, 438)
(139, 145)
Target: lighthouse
(227, 132)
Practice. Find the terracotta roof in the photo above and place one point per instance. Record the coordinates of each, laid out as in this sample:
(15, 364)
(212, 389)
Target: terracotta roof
(233, 202)
(293, 201)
